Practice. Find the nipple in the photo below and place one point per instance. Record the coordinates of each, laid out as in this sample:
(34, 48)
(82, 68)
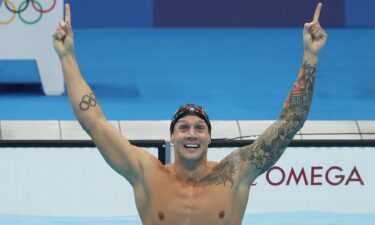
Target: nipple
(221, 214)
(161, 216)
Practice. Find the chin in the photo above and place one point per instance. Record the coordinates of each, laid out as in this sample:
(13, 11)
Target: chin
(198, 155)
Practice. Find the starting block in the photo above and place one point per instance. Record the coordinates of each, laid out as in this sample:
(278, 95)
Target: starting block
(26, 28)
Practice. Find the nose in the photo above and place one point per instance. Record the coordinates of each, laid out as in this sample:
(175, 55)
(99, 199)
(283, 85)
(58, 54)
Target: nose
(191, 135)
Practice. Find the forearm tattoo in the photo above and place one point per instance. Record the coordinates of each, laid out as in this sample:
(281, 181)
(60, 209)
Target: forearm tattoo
(269, 147)
(271, 144)
(87, 101)
(299, 99)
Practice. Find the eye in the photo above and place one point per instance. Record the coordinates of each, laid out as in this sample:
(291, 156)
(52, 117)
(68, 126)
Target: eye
(183, 127)
(200, 127)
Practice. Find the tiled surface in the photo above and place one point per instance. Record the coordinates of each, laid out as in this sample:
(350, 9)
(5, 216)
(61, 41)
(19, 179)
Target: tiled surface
(251, 129)
(30, 130)
(338, 130)
(224, 129)
(72, 130)
(367, 128)
(146, 130)
(159, 130)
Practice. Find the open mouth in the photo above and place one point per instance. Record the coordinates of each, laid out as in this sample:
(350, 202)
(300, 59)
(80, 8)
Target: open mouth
(191, 146)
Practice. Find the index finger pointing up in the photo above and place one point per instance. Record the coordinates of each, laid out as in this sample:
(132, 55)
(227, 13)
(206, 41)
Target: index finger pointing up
(67, 12)
(317, 12)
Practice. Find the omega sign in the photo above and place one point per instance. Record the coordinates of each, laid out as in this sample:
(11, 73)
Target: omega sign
(316, 176)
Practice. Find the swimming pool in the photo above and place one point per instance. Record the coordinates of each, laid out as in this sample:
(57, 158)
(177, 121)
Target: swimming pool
(295, 218)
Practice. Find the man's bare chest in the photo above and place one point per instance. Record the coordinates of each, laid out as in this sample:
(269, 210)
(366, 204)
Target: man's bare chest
(171, 202)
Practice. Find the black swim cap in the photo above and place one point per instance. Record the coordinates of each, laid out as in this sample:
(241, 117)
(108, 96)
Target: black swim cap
(190, 109)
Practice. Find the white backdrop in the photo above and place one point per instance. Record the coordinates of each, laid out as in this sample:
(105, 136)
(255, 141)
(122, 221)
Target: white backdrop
(78, 182)
(27, 35)
(318, 192)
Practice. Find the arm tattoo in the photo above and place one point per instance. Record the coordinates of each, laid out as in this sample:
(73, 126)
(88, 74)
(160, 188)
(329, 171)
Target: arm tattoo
(223, 172)
(87, 101)
(269, 147)
(299, 99)
(272, 143)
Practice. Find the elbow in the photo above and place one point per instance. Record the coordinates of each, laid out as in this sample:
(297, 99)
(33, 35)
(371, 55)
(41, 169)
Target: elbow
(295, 122)
(298, 123)
(297, 117)
(86, 127)
(90, 126)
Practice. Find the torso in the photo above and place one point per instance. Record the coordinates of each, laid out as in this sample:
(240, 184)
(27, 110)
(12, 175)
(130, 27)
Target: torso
(163, 199)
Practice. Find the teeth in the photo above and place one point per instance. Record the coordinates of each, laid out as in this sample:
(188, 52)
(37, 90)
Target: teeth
(191, 146)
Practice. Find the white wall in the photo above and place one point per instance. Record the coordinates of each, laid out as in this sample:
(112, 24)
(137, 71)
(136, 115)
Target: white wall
(62, 181)
(78, 182)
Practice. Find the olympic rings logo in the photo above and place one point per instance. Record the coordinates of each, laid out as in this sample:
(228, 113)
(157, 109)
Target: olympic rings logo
(87, 102)
(10, 6)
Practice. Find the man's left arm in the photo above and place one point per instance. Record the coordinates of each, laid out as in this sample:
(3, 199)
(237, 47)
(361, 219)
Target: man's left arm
(269, 147)
(253, 160)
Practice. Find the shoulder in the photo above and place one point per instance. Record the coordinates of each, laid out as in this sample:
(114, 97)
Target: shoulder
(211, 165)
(222, 173)
(152, 163)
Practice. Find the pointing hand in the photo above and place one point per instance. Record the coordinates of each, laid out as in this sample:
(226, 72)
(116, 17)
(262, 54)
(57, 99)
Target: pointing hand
(314, 36)
(63, 36)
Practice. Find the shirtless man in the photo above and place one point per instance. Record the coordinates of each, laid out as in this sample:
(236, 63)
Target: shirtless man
(191, 191)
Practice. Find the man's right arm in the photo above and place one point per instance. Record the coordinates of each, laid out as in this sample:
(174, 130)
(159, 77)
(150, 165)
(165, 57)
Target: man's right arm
(122, 156)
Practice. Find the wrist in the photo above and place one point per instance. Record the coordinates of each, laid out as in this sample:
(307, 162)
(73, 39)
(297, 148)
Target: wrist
(67, 57)
(310, 58)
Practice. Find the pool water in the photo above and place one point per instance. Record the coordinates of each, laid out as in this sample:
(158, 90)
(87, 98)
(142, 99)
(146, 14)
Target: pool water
(297, 218)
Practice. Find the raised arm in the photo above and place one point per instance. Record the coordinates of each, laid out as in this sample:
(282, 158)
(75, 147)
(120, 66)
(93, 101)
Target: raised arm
(123, 157)
(269, 147)
(252, 160)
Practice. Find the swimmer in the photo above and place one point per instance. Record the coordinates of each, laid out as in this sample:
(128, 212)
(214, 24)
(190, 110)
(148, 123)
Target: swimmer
(191, 190)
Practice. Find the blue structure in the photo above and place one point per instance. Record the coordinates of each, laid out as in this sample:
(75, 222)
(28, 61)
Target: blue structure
(223, 13)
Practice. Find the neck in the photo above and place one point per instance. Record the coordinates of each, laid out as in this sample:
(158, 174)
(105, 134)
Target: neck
(190, 172)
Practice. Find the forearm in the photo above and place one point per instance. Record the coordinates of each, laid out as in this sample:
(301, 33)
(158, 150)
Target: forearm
(269, 147)
(82, 98)
(298, 102)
